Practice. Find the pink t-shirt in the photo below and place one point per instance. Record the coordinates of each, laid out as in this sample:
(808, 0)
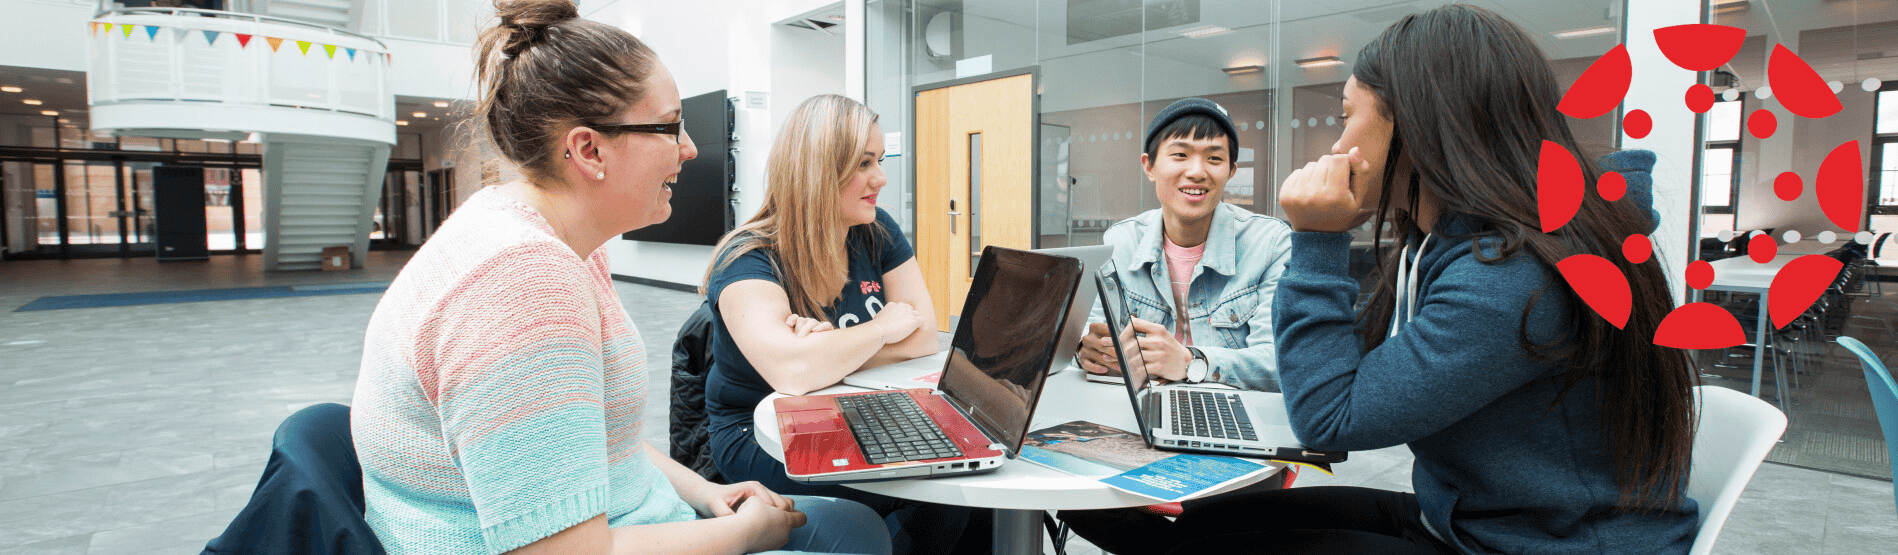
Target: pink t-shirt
(1179, 269)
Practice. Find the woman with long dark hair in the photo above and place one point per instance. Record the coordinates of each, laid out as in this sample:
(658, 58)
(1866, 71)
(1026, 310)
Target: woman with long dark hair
(1538, 426)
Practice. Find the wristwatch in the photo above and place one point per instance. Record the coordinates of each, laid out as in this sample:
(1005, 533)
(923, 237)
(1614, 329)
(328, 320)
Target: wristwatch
(1196, 368)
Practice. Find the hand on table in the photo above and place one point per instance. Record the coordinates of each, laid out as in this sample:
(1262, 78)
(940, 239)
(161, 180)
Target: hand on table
(1163, 354)
(1096, 353)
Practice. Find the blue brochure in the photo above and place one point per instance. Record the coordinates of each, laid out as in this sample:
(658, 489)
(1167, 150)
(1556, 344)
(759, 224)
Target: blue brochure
(1123, 460)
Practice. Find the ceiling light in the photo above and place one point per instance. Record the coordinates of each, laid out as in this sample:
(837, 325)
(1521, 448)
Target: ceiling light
(1318, 62)
(49, 112)
(1204, 31)
(1588, 32)
(31, 102)
(1730, 6)
(836, 17)
(401, 122)
(1242, 70)
(441, 104)
(11, 89)
(420, 114)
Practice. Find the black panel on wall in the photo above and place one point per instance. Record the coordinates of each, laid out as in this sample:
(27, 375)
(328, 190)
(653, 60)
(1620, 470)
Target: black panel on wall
(178, 203)
(701, 200)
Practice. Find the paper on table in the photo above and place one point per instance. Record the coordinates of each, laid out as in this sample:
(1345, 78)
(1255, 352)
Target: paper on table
(1122, 460)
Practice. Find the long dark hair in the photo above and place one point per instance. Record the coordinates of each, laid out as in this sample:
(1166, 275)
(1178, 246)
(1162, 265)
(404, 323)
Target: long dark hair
(1472, 98)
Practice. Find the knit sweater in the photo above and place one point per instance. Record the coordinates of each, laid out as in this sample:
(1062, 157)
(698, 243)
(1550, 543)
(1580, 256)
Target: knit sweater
(500, 393)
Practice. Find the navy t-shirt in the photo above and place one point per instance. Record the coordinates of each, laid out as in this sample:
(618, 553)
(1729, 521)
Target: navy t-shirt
(734, 388)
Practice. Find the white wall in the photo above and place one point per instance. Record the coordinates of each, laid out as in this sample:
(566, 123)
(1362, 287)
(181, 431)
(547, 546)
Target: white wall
(731, 45)
(45, 34)
(1657, 90)
(430, 69)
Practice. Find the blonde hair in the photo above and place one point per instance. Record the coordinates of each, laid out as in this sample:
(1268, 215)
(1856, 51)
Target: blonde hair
(543, 70)
(812, 161)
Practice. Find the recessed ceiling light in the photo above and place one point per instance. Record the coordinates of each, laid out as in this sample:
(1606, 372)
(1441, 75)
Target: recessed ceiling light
(401, 122)
(836, 17)
(1587, 32)
(1204, 31)
(441, 104)
(49, 112)
(1318, 62)
(420, 114)
(1242, 70)
(31, 102)
(11, 89)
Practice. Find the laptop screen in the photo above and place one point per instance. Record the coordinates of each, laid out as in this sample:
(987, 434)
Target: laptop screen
(1008, 335)
(1120, 319)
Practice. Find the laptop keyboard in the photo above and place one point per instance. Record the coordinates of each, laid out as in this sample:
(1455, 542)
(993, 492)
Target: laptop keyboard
(1210, 414)
(891, 428)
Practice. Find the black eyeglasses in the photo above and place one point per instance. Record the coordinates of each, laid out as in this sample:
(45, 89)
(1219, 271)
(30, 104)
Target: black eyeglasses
(673, 129)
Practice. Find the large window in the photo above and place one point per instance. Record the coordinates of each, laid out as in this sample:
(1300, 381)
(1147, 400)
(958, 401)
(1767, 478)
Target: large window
(1720, 159)
(1885, 151)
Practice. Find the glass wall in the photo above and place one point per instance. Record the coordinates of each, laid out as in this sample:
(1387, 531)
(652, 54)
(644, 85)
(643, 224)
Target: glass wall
(1106, 67)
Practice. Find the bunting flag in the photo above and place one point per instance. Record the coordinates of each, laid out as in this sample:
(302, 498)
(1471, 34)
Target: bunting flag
(275, 43)
(210, 37)
(331, 50)
(243, 40)
(304, 45)
(352, 54)
(95, 28)
(108, 27)
(151, 31)
(127, 29)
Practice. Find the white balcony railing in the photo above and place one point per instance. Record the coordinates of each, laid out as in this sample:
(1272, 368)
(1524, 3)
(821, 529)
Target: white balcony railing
(167, 55)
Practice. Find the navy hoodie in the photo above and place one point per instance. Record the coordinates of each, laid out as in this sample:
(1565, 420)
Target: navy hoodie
(1496, 470)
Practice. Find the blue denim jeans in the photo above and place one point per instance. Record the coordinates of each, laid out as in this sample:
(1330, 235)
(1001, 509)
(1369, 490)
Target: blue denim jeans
(837, 526)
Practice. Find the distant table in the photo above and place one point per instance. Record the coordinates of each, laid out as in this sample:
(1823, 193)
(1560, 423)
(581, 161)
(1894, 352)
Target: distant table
(1741, 274)
(1020, 490)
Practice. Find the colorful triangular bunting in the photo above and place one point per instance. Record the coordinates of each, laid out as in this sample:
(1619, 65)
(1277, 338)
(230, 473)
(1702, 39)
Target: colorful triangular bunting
(243, 40)
(107, 26)
(352, 54)
(275, 43)
(304, 45)
(210, 37)
(151, 32)
(127, 29)
(331, 50)
(95, 28)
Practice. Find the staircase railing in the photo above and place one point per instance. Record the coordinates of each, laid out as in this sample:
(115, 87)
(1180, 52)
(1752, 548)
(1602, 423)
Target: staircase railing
(190, 55)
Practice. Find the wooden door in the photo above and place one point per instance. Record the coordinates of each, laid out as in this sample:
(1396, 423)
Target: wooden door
(975, 154)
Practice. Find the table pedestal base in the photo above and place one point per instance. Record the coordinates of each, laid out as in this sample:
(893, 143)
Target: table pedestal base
(1017, 532)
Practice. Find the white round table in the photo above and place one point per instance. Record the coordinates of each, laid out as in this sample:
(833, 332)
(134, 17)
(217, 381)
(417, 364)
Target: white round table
(1019, 491)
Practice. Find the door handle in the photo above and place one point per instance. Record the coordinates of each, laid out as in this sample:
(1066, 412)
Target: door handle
(952, 216)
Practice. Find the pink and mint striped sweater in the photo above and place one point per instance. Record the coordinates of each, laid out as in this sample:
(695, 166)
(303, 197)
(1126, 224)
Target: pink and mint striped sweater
(501, 391)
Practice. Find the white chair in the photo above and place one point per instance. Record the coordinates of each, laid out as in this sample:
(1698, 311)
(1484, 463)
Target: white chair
(1736, 431)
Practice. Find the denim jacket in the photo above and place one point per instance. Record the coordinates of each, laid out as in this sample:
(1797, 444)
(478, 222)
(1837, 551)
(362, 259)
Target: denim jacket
(1230, 296)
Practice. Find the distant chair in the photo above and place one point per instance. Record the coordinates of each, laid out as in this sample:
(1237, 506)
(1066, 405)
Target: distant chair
(1884, 398)
(310, 498)
(1734, 433)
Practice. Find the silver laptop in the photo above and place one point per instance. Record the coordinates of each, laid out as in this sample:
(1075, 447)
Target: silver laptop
(927, 371)
(1199, 418)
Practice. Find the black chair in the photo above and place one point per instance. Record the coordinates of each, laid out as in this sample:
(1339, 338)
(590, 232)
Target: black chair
(691, 360)
(310, 499)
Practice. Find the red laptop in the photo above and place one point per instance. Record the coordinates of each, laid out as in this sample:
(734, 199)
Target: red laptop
(1009, 334)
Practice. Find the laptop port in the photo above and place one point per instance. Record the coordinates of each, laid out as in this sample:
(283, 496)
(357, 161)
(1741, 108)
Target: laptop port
(956, 465)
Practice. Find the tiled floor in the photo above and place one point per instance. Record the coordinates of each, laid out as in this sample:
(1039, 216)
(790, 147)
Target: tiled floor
(143, 429)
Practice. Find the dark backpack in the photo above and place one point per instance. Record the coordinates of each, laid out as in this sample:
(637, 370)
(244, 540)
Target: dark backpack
(691, 361)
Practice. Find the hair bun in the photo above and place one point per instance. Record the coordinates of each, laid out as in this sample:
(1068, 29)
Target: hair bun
(528, 20)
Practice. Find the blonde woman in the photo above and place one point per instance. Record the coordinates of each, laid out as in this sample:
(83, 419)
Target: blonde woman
(819, 284)
(502, 385)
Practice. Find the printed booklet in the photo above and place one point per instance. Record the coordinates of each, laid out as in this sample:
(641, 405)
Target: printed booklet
(1121, 459)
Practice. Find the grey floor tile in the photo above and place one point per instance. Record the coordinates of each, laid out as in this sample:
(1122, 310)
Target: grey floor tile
(71, 545)
(186, 534)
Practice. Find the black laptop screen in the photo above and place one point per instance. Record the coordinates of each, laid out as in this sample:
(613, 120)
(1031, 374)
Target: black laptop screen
(1010, 330)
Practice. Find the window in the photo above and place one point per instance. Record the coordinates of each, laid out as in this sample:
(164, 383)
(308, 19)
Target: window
(1885, 151)
(1720, 158)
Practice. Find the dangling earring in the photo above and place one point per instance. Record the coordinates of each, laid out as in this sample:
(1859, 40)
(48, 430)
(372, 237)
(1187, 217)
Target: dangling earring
(602, 175)
(569, 154)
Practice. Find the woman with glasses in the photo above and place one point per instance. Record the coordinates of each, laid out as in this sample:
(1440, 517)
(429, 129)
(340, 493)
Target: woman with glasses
(499, 403)
(819, 284)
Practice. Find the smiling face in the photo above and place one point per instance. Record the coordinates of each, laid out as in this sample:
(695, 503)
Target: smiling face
(1369, 129)
(641, 167)
(1189, 176)
(858, 202)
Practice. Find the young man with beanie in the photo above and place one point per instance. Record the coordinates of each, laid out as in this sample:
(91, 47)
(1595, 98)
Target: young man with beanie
(1198, 275)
